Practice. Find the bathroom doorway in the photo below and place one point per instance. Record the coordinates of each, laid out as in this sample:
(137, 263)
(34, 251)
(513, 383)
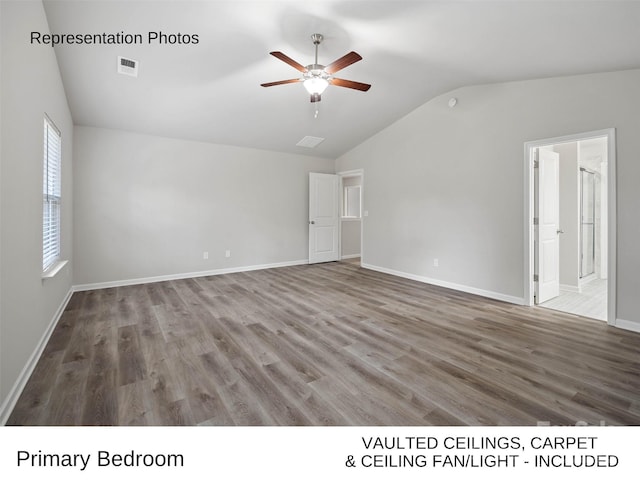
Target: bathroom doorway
(570, 247)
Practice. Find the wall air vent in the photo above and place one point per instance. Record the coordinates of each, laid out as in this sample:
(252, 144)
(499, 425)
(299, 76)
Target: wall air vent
(126, 66)
(310, 142)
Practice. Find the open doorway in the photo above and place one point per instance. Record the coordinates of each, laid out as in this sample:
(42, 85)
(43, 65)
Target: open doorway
(351, 213)
(570, 211)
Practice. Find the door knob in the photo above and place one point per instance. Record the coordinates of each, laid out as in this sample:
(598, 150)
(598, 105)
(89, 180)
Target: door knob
(311, 222)
(559, 231)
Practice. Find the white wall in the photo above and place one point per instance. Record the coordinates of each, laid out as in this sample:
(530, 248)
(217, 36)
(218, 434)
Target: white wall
(569, 215)
(149, 206)
(30, 86)
(448, 183)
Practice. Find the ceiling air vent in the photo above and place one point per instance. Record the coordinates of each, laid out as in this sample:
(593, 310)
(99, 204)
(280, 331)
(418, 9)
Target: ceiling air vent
(310, 142)
(126, 66)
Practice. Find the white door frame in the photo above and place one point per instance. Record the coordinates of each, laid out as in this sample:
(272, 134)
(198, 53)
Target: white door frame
(529, 148)
(353, 173)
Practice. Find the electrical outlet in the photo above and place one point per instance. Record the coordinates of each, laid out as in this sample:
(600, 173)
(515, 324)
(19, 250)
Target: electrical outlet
(436, 262)
(366, 213)
(227, 253)
(205, 255)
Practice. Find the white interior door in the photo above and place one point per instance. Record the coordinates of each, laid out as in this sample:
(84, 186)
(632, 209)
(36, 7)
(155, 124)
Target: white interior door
(324, 217)
(548, 230)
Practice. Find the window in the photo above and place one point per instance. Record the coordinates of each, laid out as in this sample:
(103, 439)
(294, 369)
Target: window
(51, 193)
(351, 199)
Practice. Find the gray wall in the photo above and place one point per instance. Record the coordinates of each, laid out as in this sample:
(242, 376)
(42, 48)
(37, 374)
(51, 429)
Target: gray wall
(148, 206)
(569, 215)
(30, 86)
(447, 183)
(350, 237)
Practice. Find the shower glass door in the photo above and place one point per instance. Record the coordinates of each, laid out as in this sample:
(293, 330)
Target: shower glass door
(587, 222)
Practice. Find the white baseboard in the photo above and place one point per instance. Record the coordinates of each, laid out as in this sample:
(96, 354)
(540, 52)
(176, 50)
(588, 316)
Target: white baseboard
(588, 279)
(180, 276)
(628, 325)
(453, 286)
(15, 392)
(345, 257)
(570, 288)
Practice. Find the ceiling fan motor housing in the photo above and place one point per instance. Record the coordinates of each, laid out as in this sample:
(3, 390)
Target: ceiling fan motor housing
(315, 70)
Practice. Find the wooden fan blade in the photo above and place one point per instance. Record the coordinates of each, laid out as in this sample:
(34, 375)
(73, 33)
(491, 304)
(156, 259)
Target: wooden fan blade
(342, 62)
(280, 82)
(339, 82)
(290, 61)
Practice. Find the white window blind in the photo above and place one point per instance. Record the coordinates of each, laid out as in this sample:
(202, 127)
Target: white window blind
(51, 193)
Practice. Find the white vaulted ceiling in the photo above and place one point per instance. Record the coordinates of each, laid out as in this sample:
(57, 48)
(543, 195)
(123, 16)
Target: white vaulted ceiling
(412, 51)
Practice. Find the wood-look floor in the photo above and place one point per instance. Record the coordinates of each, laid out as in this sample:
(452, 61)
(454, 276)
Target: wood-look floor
(328, 344)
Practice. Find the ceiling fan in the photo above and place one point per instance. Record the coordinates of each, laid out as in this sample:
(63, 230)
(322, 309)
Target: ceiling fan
(315, 77)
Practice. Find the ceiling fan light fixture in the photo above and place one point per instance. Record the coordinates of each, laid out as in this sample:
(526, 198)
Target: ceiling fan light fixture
(316, 85)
